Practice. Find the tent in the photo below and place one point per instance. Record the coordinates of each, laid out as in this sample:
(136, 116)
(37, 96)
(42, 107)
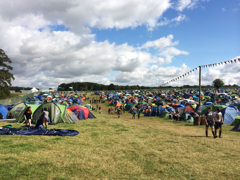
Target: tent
(18, 109)
(80, 112)
(9, 107)
(118, 104)
(237, 127)
(57, 113)
(34, 90)
(236, 121)
(129, 106)
(89, 106)
(187, 117)
(4, 111)
(229, 114)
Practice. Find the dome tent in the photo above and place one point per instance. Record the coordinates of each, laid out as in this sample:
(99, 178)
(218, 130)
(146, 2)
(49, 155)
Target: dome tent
(57, 113)
(3, 111)
(19, 109)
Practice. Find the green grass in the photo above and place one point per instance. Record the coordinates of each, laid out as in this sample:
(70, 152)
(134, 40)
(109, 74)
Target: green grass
(124, 148)
(13, 95)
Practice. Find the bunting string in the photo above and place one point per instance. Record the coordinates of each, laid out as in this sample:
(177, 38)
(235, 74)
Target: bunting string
(203, 66)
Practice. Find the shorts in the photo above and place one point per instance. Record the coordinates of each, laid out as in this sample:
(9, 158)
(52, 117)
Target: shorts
(210, 123)
(218, 125)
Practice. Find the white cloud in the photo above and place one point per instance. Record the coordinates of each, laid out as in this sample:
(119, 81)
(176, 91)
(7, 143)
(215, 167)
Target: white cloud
(43, 57)
(183, 4)
(166, 49)
(94, 13)
(161, 43)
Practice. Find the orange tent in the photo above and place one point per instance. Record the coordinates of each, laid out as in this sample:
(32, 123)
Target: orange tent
(118, 104)
(189, 108)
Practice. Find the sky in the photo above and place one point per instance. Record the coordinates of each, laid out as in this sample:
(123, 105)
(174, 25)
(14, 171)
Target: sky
(128, 42)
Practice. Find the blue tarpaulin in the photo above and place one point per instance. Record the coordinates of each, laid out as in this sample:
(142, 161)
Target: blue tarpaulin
(8, 130)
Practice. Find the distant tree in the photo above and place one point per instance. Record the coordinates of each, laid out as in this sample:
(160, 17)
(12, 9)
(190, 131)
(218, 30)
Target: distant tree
(111, 87)
(217, 83)
(6, 77)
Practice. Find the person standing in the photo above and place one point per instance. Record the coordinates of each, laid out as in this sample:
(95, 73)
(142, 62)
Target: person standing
(118, 112)
(138, 113)
(133, 113)
(209, 121)
(28, 116)
(218, 119)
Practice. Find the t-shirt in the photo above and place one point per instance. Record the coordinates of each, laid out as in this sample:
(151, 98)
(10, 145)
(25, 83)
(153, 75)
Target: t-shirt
(45, 114)
(218, 116)
(28, 116)
(209, 116)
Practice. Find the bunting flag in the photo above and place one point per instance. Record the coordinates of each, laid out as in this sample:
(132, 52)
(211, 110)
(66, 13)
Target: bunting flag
(203, 66)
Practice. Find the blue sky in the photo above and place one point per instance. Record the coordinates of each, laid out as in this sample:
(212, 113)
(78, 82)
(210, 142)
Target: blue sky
(210, 33)
(126, 42)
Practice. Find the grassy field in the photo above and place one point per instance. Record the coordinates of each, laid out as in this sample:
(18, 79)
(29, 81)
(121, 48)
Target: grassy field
(124, 148)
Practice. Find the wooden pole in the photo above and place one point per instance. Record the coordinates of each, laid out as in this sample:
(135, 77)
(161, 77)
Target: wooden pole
(199, 101)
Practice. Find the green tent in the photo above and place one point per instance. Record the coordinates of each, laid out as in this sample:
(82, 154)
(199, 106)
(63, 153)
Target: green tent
(89, 107)
(18, 110)
(142, 102)
(164, 114)
(187, 117)
(236, 121)
(207, 97)
(213, 106)
(57, 113)
(129, 106)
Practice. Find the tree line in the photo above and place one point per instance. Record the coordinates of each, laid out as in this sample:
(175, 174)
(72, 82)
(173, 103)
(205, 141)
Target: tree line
(89, 86)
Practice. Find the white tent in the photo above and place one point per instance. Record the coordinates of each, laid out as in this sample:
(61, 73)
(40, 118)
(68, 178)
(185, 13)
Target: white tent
(33, 90)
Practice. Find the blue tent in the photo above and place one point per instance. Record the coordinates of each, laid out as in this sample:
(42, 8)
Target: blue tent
(180, 105)
(152, 112)
(229, 114)
(170, 109)
(79, 113)
(160, 109)
(40, 97)
(207, 103)
(9, 107)
(90, 116)
(4, 111)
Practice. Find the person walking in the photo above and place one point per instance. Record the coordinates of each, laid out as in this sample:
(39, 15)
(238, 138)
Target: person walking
(218, 119)
(209, 121)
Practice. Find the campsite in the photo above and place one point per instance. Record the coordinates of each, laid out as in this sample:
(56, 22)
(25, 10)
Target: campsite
(154, 147)
(119, 89)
